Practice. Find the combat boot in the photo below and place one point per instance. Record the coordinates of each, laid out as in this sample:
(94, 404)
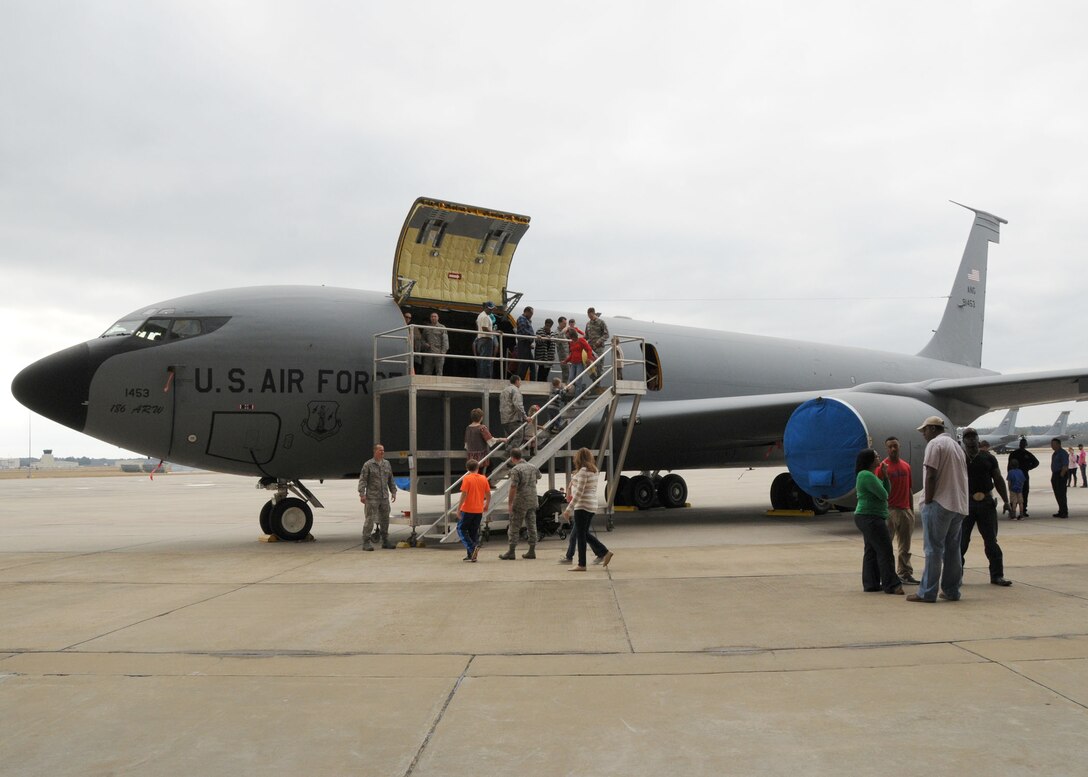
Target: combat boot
(531, 552)
(386, 544)
(509, 555)
(367, 544)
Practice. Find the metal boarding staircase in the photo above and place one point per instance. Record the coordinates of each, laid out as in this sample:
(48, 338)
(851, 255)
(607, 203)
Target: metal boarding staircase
(599, 397)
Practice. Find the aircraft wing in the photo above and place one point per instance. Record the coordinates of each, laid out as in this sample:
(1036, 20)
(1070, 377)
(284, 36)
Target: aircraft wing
(750, 429)
(1027, 388)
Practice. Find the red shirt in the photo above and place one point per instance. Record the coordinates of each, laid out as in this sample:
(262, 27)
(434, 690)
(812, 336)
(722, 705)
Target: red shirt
(576, 347)
(902, 488)
(475, 487)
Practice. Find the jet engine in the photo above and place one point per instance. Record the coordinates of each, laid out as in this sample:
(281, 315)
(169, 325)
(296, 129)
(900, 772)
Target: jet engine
(824, 436)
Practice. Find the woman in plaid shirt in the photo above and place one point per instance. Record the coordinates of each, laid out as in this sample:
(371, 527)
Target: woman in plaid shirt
(582, 495)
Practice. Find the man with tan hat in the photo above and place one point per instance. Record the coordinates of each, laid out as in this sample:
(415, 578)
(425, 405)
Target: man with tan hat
(944, 505)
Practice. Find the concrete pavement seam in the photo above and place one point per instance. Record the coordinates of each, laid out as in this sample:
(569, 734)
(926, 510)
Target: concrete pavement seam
(438, 718)
(1023, 676)
(619, 610)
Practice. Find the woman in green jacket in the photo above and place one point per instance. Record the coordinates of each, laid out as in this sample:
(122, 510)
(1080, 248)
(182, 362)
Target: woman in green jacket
(870, 516)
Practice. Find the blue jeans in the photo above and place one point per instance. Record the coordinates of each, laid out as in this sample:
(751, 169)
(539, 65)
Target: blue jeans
(576, 369)
(941, 531)
(485, 349)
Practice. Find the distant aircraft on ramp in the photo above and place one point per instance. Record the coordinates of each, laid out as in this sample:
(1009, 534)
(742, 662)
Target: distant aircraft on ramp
(1057, 430)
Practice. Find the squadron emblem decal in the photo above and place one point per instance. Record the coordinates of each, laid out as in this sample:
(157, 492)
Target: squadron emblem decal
(323, 420)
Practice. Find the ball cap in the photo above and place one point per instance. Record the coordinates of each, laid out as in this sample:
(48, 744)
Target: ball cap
(932, 421)
(489, 305)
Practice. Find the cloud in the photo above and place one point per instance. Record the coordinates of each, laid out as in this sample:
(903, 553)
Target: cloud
(782, 168)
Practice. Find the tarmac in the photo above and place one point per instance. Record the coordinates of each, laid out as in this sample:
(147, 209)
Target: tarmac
(146, 630)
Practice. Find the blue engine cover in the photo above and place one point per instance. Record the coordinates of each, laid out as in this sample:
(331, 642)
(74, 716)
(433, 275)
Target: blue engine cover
(821, 443)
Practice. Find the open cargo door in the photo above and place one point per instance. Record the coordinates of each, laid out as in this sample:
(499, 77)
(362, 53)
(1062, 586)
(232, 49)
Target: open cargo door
(456, 256)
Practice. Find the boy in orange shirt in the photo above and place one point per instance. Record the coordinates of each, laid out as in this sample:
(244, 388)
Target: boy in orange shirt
(475, 497)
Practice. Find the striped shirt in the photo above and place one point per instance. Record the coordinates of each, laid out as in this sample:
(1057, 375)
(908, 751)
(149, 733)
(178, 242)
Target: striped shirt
(583, 490)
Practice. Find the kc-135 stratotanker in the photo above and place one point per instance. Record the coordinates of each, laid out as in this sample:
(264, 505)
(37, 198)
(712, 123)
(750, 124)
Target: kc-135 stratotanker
(277, 382)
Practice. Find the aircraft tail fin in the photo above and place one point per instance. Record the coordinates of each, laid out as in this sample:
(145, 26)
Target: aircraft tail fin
(1059, 426)
(1007, 423)
(958, 338)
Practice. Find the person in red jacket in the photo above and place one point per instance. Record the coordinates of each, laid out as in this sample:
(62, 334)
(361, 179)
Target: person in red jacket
(580, 355)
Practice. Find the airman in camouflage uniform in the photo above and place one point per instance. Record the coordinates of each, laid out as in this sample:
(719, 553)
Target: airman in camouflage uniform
(436, 343)
(523, 504)
(376, 490)
(512, 412)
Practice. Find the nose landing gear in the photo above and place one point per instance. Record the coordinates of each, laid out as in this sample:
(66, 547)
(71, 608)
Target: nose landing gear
(287, 518)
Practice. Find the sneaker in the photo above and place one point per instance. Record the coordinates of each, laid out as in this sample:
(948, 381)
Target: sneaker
(475, 552)
(468, 558)
(577, 569)
(565, 560)
(606, 559)
(909, 580)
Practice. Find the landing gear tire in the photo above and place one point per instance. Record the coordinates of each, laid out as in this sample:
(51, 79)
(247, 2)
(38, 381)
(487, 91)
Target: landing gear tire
(672, 491)
(787, 495)
(821, 506)
(266, 517)
(623, 491)
(642, 492)
(291, 519)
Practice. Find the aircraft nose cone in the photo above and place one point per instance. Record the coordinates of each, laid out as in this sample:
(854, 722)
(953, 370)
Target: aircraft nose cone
(57, 386)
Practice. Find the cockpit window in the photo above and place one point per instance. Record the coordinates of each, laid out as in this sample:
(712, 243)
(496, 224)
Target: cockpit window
(123, 328)
(161, 330)
(212, 323)
(184, 327)
(154, 329)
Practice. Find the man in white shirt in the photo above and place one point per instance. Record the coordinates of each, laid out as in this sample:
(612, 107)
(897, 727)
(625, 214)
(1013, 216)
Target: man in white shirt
(483, 347)
(944, 506)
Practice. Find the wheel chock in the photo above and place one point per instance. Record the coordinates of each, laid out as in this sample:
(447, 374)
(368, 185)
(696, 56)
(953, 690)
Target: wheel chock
(625, 509)
(790, 514)
(274, 538)
(403, 544)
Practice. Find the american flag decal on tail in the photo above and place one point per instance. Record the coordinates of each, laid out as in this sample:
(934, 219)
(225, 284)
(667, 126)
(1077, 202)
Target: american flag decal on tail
(974, 276)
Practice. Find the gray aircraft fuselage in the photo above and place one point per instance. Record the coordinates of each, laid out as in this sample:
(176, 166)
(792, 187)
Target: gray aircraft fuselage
(284, 388)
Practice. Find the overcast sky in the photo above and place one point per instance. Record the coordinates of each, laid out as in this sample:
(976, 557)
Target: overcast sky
(781, 168)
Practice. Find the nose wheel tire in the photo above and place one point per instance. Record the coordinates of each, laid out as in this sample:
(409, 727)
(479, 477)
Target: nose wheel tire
(291, 519)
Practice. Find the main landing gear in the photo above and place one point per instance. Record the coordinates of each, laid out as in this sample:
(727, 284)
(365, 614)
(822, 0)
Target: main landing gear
(787, 495)
(288, 518)
(649, 490)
